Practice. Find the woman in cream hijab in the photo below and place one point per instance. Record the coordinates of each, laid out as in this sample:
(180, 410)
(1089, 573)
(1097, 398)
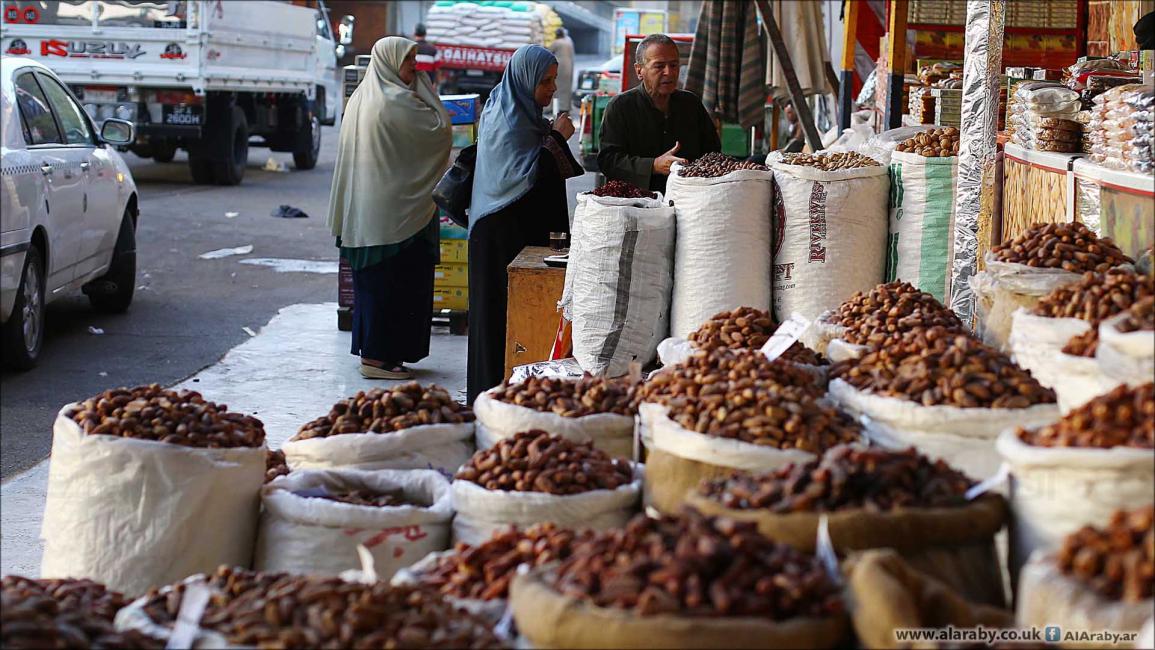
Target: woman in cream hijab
(394, 147)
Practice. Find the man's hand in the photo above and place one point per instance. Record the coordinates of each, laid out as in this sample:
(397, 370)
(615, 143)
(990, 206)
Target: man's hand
(563, 125)
(663, 162)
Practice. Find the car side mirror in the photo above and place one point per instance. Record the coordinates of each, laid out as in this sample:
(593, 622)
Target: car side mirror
(117, 132)
(345, 30)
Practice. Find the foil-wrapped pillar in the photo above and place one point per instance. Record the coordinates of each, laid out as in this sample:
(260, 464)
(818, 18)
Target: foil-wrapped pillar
(977, 148)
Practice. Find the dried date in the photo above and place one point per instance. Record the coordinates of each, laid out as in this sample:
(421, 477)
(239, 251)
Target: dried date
(382, 410)
(535, 461)
(1124, 417)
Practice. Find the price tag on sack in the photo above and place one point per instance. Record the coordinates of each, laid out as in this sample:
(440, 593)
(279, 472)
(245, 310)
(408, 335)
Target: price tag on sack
(824, 551)
(786, 335)
(188, 619)
(997, 479)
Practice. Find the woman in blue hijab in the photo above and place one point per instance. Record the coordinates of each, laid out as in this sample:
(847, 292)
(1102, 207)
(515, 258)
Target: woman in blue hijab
(518, 198)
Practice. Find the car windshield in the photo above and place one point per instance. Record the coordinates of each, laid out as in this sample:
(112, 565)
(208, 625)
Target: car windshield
(115, 13)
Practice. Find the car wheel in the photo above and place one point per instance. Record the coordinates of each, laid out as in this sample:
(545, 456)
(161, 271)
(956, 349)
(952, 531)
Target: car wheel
(308, 146)
(113, 291)
(24, 331)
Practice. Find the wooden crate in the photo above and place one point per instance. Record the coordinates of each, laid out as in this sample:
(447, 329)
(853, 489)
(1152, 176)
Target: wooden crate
(531, 314)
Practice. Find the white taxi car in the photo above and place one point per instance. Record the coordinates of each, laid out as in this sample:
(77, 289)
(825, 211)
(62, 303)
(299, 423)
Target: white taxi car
(68, 207)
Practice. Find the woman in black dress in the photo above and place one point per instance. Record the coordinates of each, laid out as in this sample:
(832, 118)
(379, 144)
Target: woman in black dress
(518, 198)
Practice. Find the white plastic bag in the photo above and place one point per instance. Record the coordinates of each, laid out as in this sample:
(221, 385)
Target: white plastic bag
(674, 350)
(1037, 345)
(963, 437)
(1055, 491)
(1002, 288)
(1126, 357)
(1048, 597)
(496, 420)
(482, 512)
(618, 281)
(133, 514)
(722, 257)
(320, 537)
(829, 236)
(443, 447)
(920, 245)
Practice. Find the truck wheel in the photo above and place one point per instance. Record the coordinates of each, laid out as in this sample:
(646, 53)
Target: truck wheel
(232, 150)
(24, 331)
(307, 148)
(113, 291)
(164, 152)
(201, 168)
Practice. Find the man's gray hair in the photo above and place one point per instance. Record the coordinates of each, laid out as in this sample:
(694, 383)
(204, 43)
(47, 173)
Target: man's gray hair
(644, 46)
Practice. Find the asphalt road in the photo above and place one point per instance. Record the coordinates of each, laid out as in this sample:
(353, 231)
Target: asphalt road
(187, 311)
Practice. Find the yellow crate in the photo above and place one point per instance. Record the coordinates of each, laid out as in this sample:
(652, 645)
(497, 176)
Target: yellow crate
(456, 298)
(451, 275)
(454, 251)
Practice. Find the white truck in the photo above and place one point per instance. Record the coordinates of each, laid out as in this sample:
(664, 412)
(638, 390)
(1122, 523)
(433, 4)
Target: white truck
(213, 77)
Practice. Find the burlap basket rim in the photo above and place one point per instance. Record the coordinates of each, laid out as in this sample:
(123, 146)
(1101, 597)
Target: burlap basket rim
(979, 520)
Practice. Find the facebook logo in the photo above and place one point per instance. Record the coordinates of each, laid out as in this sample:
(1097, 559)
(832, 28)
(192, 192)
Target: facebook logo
(1052, 633)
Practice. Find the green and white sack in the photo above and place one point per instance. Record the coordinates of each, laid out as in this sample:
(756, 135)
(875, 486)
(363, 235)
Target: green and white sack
(922, 212)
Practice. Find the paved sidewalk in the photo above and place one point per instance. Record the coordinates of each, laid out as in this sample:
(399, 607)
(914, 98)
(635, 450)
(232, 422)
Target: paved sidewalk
(292, 371)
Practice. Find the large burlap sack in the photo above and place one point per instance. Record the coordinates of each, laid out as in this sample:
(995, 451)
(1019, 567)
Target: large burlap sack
(1055, 491)
(443, 447)
(920, 245)
(1125, 357)
(1047, 597)
(610, 432)
(955, 545)
(678, 459)
(133, 514)
(549, 619)
(890, 594)
(320, 537)
(722, 254)
(829, 236)
(1002, 288)
(618, 281)
(490, 610)
(482, 512)
(1037, 342)
(963, 437)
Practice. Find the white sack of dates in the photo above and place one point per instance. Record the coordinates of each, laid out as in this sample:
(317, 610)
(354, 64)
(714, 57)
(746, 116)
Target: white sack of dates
(1055, 491)
(490, 610)
(963, 437)
(1125, 357)
(319, 536)
(482, 512)
(443, 447)
(722, 256)
(1003, 288)
(497, 420)
(1037, 342)
(133, 513)
(618, 281)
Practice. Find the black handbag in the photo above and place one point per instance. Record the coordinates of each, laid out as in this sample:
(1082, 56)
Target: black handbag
(454, 191)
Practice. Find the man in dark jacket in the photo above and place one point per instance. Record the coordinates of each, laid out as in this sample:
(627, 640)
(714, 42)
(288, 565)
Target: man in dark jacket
(648, 128)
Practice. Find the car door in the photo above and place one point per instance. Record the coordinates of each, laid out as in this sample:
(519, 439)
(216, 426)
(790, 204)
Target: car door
(99, 216)
(62, 184)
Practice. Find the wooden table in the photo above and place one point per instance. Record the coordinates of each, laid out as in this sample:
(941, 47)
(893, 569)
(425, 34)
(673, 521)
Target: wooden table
(531, 314)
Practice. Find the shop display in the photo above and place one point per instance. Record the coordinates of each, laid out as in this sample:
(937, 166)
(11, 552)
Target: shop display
(622, 190)
(883, 315)
(1121, 128)
(64, 614)
(181, 418)
(485, 571)
(383, 410)
(252, 608)
(275, 464)
(535, 461)
(314, 520)
(714, 165)
(1116, 561)
(1043, 117)
(831, 161)
(846, 477)
(697, 566)
(940, 367)
(935, 143)
(722, 250)
(1068, 246)
(746, 328)
(619, 278)
(1124, 417)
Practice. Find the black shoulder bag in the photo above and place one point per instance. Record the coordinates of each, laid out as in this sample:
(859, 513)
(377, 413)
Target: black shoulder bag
(454, 191)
